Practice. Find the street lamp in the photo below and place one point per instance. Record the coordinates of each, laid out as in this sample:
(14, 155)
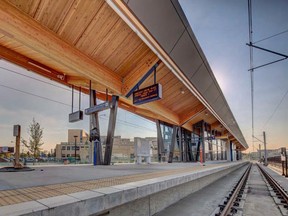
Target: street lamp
(75, 137)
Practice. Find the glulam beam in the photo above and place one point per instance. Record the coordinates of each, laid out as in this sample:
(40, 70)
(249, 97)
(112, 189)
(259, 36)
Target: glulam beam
(28, 32)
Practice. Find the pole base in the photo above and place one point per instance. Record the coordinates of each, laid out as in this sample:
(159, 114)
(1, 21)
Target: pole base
(13, 169)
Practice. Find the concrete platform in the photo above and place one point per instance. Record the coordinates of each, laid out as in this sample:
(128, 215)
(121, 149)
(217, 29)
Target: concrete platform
(206, 200)
(86, 190)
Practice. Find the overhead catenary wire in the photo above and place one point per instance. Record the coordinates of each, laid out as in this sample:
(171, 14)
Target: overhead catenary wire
(130, 124)
(59, 102)
(69, 105)
(42, 81)
(66, 89)
(35, 95)
(275, 110)
(39, 80)
(280, 33)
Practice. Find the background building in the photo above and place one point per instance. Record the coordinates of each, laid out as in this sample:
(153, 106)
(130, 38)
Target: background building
(66, 150)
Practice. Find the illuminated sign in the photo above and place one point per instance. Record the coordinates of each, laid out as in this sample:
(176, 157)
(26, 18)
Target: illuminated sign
(148, 94)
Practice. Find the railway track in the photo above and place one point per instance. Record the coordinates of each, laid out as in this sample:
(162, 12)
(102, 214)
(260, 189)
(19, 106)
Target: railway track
(256, 193)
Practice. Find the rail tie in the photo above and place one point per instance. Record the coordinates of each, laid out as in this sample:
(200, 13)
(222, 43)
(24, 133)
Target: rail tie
(234, 197)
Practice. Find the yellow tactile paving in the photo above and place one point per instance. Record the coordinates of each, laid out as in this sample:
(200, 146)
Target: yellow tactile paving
(8, 197)
(3, 202)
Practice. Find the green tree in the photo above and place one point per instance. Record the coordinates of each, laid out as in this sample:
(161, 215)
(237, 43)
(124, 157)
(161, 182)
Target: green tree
(35, 138)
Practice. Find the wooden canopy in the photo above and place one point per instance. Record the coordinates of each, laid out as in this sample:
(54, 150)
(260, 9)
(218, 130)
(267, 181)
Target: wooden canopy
(75, 41)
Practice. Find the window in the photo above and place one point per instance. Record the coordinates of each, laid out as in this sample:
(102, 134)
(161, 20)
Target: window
(68, 147)
(63, 155)
(63, 148)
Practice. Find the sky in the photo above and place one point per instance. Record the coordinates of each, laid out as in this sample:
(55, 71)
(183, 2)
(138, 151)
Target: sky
(50, 105)
(221, 28)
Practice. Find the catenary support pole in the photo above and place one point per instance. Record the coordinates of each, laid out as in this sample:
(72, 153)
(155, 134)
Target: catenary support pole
(259, 152)
(265, 150)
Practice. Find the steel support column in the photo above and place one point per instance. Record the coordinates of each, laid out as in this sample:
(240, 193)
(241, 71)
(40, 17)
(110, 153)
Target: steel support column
(203, 141)
(173, 140)
(184, 145)
(160, 144)
(180, 143)
(94, 128)
(111, 130)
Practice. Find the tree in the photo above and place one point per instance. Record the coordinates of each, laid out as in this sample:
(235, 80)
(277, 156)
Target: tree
(35, 138)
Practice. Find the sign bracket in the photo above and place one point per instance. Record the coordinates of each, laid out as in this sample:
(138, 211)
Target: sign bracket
(153, 69)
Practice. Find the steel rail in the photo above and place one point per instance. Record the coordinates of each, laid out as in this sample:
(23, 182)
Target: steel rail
(272, 182)
(227, 210)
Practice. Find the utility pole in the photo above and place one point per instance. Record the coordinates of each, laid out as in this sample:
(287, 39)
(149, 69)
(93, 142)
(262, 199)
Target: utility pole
(75, 147)
(17, 134)
(259, 152)
(265, 150)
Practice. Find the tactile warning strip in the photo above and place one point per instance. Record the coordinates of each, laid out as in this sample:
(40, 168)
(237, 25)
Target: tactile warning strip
(9, 197)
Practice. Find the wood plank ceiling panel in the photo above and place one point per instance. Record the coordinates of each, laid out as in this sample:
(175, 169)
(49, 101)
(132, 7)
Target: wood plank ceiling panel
(120, 55)
(51, 13)
(78, 18)
(135, 61)
(206, 116)
(110, 43)
(27, 6)
(97, 30)
(173, 99)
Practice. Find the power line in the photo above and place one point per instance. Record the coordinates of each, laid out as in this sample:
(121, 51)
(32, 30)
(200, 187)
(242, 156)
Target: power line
(271, 36)
(276, 108)
(129, 124)
(31, 94)
(45, 98)
(149, 121)
(39, 80)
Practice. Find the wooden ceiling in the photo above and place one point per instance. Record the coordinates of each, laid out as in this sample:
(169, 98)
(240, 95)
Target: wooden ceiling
(75, 41)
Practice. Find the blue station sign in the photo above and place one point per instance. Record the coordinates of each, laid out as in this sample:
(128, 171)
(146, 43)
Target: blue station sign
(148, 94)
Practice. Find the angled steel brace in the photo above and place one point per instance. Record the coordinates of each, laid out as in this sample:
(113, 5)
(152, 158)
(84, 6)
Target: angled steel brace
(270, 51)
(111, 130)
(267, 64)
(153, 69)
(267, 50)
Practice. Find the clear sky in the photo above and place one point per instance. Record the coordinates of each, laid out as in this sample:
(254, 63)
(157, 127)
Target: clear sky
(221, 28)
